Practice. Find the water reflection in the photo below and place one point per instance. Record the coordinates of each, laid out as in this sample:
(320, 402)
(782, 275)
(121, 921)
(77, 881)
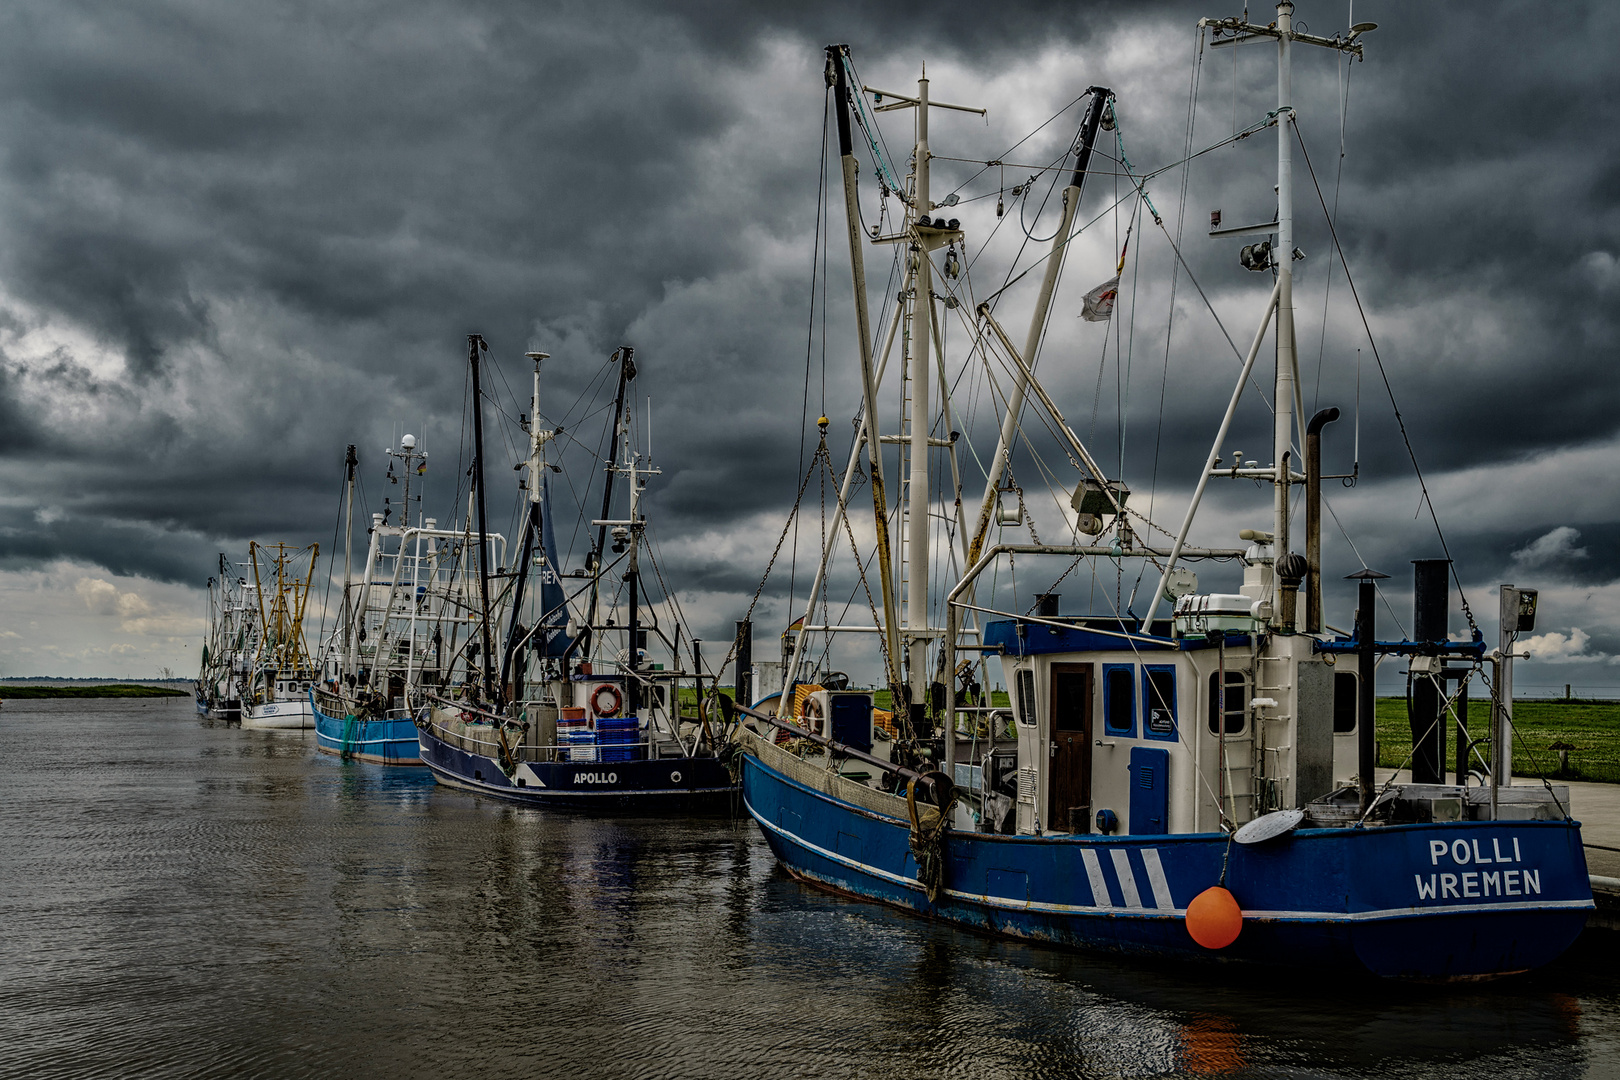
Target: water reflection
(180, 899)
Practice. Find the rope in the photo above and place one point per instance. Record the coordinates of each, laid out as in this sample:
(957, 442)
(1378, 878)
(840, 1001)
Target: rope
(927, 839)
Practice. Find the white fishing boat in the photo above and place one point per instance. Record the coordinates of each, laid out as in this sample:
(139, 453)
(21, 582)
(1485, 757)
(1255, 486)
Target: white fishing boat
(225, 677)
(1201, 785)
(278, 695)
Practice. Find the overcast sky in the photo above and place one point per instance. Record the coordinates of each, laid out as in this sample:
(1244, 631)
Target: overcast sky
(234, 239)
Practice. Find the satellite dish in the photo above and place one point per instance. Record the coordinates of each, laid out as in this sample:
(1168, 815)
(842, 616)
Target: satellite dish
(1269, 826)
(408, 442)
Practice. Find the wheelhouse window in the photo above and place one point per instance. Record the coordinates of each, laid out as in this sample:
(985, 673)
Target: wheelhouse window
(1024, 681)
(1119, 699)
(1236, 705)
(1344, 702)
(1159, 701)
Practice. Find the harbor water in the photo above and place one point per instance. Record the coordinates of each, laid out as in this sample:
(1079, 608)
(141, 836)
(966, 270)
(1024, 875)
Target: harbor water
(184, 900)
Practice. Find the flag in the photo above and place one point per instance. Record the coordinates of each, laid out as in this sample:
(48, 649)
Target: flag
(552, 636)
(1099, 303)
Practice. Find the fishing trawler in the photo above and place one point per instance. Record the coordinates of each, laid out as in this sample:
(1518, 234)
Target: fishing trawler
(226, 674)
(283, 672)
(398, 626)
(1197, 786)
(564, 714)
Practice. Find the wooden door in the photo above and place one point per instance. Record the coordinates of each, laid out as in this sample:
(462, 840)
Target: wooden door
(1068, 785)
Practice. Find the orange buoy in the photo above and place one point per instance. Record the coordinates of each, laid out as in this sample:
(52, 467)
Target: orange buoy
(1214, 919)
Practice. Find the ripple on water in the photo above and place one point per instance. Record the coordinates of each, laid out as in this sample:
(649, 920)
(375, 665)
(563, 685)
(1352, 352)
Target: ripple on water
(185, 900)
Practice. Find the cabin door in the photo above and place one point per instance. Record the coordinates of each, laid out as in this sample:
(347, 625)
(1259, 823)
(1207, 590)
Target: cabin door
(1068, 786)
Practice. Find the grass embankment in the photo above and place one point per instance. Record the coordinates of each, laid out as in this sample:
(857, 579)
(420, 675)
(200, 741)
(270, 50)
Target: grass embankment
(1587, 731)
(114, 690)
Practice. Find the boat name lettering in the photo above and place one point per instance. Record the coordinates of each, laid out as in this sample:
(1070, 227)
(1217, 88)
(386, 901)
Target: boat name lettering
(596, 778)
(1475, 884)
(1463, 852)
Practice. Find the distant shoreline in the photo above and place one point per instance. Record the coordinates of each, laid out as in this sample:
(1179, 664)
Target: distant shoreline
(109, 690)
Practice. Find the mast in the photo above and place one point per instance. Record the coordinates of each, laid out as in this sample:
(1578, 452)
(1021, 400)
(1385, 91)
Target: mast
(917, 493)
(627, 371)
(922, 235)
(1282, 438)
(349, 463)
(632, 574)
(475, 343)
(1281, 259)
(863, 329)
(999, 461)
(537, 439)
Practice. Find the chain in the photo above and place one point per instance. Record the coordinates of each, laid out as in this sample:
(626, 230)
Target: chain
(1029, 519)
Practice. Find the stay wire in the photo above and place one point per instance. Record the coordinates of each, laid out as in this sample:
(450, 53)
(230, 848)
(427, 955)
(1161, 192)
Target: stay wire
(810, 328)
(1389, 389)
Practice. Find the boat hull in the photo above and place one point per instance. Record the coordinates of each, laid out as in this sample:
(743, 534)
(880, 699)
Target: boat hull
(1381, 900)
(692, 785)
(297, 714)
(380, 742)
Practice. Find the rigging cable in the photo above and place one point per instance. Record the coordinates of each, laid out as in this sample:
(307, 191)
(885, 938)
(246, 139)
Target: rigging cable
(810, 328)
(1400, 421)
(1327, 289)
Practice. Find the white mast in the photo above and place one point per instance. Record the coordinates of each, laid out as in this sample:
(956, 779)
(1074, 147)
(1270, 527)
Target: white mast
(919, 498)
(1283, 428)
(537, 438)
(924, 237)
(1282, 259)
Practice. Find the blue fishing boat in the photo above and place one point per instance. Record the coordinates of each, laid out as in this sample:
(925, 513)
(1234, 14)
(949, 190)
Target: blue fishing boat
(1200, 786)
(400, 627)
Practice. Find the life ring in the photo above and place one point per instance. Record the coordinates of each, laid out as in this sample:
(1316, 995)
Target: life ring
(615, 700)
(812, 715)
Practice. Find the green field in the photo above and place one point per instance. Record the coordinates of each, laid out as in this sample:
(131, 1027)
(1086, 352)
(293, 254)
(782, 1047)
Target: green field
(113, 690)
(1591, 729)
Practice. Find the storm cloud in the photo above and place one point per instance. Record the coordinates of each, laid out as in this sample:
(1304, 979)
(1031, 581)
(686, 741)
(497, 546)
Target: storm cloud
(235, 239)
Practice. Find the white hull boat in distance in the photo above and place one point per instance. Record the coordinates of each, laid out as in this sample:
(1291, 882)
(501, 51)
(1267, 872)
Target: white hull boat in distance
(283, 715)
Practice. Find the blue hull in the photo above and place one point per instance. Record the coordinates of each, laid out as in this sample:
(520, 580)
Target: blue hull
(1459, 900)
(381, 742)
(663, 785)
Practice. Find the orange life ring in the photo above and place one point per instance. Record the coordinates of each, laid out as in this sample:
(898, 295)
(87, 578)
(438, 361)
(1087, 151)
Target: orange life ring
(616, 700)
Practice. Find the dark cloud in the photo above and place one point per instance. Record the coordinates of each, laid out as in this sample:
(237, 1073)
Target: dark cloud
(234, 240)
